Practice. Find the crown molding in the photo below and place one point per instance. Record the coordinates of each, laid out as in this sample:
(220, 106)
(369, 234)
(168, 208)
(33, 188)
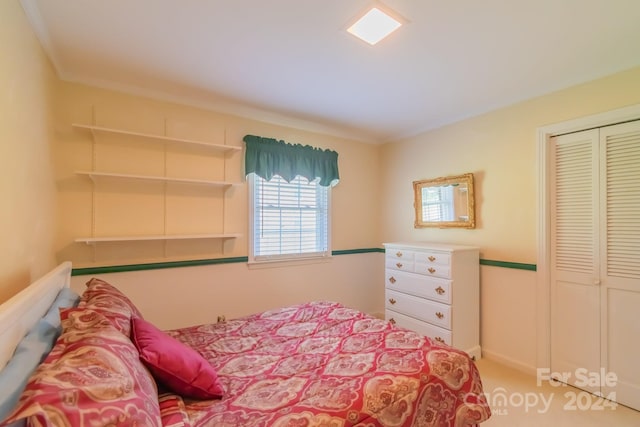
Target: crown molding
(34, 17)
(238, 109)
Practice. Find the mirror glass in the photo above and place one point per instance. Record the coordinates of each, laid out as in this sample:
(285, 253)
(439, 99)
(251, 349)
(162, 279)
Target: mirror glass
(445, 202)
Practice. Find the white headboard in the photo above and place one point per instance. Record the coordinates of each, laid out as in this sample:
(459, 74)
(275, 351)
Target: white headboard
(22, 311)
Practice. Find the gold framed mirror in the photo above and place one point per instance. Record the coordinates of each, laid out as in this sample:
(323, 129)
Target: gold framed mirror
(445, 202)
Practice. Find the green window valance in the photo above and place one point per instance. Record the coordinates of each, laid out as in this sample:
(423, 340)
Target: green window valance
(267, 157)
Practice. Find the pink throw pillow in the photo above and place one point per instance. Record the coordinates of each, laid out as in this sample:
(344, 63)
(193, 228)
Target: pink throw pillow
(179, 367)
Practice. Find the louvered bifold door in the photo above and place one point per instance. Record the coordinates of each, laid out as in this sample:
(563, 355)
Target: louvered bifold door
(575, 290)
(620, 235)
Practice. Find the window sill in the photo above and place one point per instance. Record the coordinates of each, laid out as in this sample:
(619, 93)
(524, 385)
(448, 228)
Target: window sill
(290, 262)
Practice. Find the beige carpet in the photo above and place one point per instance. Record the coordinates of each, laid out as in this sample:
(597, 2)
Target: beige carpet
(516, 400)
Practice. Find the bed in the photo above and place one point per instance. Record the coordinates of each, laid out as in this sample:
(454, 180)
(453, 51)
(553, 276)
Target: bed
(313, 364)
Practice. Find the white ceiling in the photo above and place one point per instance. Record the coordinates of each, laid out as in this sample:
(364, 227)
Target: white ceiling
(292, 62)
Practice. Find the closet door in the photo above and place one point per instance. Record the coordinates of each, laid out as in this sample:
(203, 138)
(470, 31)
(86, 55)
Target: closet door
(575, 273)
(620, 260)
(595, 260)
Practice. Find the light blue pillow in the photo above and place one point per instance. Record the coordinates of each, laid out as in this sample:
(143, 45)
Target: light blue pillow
(31, 351)
(66, 298)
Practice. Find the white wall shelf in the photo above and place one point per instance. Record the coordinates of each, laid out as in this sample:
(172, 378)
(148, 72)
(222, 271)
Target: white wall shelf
(94, 175)
(94, 240)
(97, 129)
(103, 231)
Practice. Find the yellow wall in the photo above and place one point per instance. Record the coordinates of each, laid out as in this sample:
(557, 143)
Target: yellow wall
(372, 203)
(131, 208)
(499, 148)
(28, 213)
(178, 297)
(190, 295)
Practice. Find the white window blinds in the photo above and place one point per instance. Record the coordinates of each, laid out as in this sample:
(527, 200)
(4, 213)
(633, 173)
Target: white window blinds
(290, 219)
(437, 204)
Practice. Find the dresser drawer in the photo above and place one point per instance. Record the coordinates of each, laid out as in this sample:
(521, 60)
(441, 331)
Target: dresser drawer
(433, 258)
(427, 287)
(443, 271)
(399, 264)
(422, 291)
(399, 255)
(423, 328)
(419, 308)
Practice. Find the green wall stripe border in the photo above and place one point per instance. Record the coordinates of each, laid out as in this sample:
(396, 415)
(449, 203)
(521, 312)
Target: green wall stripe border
(155, 266)
(199, 262)
(175, 264)
(506, 264)
(357, 251)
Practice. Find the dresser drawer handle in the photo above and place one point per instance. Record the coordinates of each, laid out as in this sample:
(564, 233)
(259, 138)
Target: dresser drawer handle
(392, 301)
(439, 290)
(392, 280)
(399, 265)
(399, 254)
(439, 315)
(431, 270)
(392, 321)
(431, 258)
(439, 340)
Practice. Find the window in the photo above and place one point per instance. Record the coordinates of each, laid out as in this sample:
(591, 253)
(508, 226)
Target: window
(437, 203)
(289, 199)
(289, 220)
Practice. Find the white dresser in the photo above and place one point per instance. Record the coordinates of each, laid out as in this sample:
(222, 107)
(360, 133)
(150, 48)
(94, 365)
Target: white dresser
(434, 289)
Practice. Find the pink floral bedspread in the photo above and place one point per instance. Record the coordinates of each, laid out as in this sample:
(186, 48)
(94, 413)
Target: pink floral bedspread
(322, 364)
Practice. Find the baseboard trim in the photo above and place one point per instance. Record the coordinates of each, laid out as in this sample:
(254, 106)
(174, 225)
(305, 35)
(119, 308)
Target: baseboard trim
(508, 361)
(475, 352)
